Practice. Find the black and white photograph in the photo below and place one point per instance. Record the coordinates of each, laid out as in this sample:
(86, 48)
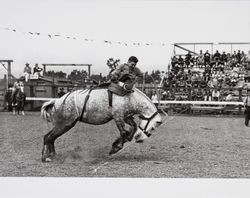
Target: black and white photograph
(125, 98)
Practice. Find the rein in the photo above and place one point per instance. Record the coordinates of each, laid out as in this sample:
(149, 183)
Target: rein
(85, 104)
(148, 119)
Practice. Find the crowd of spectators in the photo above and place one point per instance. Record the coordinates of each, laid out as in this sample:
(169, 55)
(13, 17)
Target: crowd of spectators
(206, 75)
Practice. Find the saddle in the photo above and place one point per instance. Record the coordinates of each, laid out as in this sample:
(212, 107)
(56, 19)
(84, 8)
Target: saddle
(123, 86)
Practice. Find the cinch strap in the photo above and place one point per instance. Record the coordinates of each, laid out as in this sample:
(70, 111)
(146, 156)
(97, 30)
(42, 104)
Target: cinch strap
(85, 104)
(75, 99)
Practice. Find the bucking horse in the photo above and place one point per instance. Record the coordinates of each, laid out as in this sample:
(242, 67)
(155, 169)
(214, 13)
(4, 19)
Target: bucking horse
(98, 106)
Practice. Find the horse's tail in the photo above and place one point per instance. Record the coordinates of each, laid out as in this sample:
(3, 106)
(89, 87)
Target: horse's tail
(46, 110)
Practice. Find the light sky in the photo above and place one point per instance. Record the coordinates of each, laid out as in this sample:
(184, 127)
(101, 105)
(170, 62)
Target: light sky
(144, 22)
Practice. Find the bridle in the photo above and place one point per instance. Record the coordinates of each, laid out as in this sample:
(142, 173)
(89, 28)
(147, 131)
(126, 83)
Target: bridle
(148, 119)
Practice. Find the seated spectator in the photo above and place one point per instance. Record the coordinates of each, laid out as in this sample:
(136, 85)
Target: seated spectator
(164, 95)
(199, 95)
(229, 96)
(243, 57)
(37, 70)
(180, 61)
(27, 72)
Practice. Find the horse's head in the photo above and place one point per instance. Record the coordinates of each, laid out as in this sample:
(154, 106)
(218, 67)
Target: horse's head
(147, 125)
(150, 119)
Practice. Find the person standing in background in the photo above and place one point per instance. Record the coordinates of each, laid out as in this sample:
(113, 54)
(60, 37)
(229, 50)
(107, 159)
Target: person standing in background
(37, 70)
(27, 72)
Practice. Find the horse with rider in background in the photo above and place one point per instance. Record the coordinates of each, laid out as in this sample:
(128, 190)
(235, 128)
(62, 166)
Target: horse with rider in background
(19, 100)
(18, 97)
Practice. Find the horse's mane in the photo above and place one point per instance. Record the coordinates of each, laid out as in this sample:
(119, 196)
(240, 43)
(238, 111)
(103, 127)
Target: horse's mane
(142, 94)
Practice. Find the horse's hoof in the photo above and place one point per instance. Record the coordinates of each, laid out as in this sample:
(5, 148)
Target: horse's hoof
(139, 141)
(114, 150)
(46, 159)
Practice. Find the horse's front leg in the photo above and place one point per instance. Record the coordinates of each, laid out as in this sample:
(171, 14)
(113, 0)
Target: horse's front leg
(130, 134)
(124, 137)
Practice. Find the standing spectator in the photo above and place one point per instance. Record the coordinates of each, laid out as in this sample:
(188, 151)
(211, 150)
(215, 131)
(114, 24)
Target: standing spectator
(234, 55)
(61, 92)
(37, 70)
(200, 59)
(188, 58)
(247, 108)
(216, 57)
(223, 57)
(215, 94)
(238, 56)
(27, 72)
(207, 58)
(248, 59)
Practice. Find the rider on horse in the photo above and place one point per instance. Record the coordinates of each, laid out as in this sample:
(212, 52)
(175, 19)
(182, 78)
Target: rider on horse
(17, 85)
(129, 70)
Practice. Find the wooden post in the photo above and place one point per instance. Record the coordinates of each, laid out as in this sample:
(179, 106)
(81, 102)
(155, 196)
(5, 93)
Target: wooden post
(9, 72)
(89, 71)
(240, 99)
(44, 68)
(32, 95)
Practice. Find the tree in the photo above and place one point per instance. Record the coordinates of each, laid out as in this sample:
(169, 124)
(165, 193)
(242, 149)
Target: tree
(54, 74)
(98, 78)
(156, 75)
(77, 75)
(147, 78)
(112, 63)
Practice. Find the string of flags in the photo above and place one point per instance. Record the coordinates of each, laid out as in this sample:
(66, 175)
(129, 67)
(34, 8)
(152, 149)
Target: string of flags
(53, 36)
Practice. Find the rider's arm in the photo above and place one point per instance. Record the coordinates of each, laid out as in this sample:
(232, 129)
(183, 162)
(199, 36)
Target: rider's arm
(116, 73)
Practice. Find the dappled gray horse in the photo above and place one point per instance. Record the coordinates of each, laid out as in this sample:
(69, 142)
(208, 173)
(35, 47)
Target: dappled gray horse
(93, 107)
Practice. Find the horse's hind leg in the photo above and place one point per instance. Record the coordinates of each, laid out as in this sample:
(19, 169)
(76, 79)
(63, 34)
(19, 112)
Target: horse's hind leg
(48, 151)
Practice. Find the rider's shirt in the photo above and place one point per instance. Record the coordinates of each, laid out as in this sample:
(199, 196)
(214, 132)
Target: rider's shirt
(18, 85)
(126, 69)
(247, 101)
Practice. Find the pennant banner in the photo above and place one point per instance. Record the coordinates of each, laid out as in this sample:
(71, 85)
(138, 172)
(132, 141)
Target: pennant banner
(52, 35)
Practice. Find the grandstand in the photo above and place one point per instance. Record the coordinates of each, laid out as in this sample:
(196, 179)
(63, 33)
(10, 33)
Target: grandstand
(197, 72)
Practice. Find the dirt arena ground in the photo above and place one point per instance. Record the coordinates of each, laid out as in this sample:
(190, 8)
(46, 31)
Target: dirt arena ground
(185, 147)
